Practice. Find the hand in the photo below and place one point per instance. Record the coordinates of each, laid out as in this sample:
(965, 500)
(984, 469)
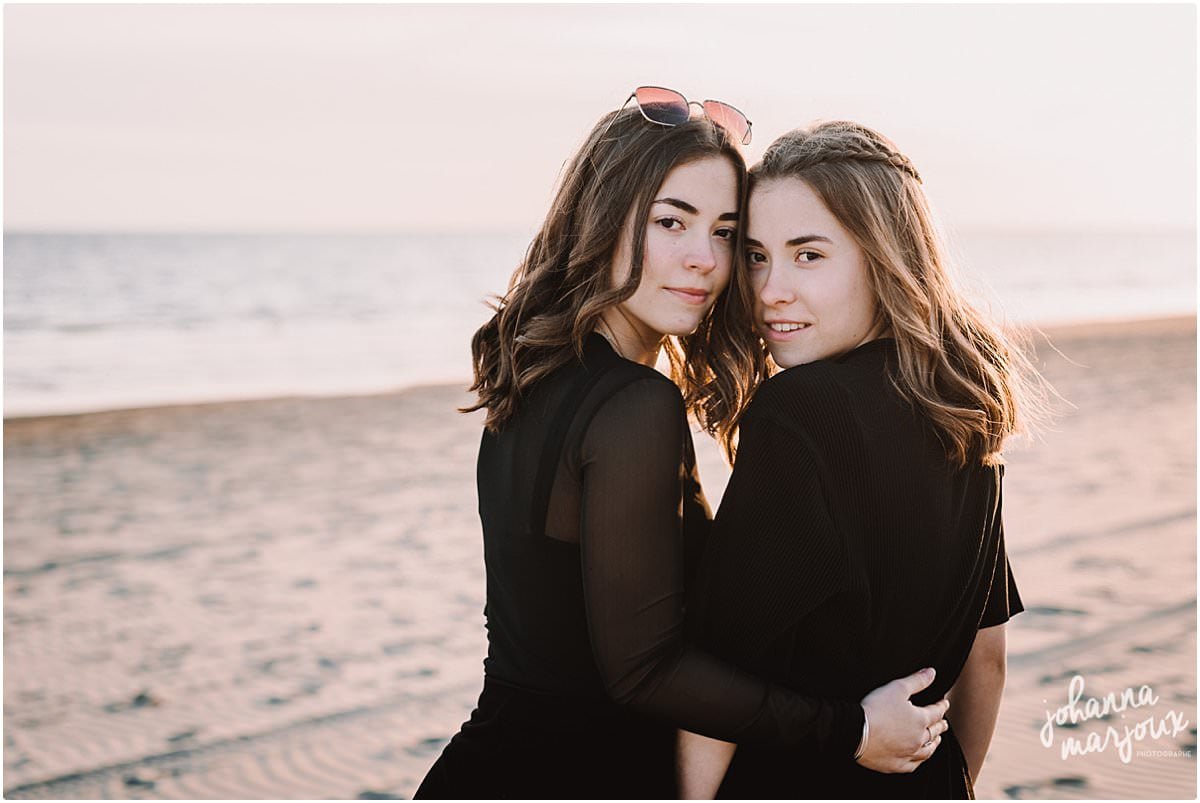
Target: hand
(902, 736)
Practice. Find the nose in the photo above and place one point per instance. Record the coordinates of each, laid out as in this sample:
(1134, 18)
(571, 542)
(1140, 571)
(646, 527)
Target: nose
(702, 256)
(775, 289)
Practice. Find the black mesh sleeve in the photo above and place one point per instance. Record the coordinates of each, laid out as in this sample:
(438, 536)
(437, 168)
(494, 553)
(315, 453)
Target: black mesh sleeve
(633, 566)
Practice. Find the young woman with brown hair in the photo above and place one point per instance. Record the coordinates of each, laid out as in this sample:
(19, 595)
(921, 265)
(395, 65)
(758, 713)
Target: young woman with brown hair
(588, 495)
(860, 535)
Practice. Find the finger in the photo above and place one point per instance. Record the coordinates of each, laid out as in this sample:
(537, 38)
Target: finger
(917, 680)
(935, 711)
(927, 750)
(939, 727)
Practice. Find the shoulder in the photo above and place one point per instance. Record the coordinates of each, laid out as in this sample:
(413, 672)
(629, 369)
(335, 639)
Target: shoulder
(633, 409)
(638, 392)
(621, 382)
(823, 393)
(802, 396)
(810, 379)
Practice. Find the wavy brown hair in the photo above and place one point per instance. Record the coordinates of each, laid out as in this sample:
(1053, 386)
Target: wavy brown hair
(564, 284)
(967, 376)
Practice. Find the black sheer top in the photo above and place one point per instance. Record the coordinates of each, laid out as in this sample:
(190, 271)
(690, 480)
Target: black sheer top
(592, 515)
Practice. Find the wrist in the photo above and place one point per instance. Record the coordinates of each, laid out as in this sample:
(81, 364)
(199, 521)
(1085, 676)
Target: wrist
(866, 734)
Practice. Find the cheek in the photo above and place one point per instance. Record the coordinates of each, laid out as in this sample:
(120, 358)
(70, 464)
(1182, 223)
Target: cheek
(724, 272)
(623, 256)
(756, 279)
(620, 268)
(840, 294)
(862, 299)
(657, 254)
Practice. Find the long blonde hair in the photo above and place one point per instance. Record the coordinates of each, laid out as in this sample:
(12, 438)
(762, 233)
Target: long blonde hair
(968, 377)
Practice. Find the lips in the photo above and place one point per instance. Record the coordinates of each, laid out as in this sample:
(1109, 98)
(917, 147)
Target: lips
(690, 295)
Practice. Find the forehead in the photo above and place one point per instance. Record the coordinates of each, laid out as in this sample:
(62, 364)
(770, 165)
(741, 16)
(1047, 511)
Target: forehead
(712, 179)
(788, 207)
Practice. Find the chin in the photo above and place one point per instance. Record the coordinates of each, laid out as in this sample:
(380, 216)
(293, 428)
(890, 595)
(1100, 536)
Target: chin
(682, 329)
(784, 363)
(790, 359)
(780, 358)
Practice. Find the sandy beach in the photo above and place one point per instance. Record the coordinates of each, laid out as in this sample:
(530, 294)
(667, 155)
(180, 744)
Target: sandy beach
(283, 599)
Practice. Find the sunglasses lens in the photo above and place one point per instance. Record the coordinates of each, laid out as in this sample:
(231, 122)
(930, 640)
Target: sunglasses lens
(664, 106)
(729, 118)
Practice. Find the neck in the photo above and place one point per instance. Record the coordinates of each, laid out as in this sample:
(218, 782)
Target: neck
(634, 343)
(879, 330)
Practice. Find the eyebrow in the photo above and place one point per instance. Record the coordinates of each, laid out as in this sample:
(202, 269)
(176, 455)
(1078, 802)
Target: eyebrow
(691, 210)
(806, 238)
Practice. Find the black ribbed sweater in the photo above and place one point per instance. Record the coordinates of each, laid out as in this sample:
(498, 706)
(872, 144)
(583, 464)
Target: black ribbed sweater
(847, 552)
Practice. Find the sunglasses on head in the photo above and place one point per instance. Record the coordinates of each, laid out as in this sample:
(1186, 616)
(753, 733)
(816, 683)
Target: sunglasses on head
(670, 108)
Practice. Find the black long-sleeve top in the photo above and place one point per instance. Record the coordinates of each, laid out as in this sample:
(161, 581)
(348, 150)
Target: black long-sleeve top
(591, 513)
(847, 552)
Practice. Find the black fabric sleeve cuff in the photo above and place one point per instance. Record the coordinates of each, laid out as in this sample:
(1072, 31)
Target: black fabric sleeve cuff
(828, 727)
(847, 729)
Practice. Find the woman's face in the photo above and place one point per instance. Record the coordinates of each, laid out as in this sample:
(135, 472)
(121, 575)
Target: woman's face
(813, 299)
(689, 252)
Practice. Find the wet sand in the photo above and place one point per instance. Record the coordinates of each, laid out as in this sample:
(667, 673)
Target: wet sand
(282, 599)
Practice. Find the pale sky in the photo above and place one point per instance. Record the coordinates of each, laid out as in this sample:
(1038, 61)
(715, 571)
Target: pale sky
(416, 118)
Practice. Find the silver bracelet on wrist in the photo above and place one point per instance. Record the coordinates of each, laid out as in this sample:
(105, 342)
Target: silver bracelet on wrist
(862, 743)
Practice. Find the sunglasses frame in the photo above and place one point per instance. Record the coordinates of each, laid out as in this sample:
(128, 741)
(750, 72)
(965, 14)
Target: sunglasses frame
(689, 103)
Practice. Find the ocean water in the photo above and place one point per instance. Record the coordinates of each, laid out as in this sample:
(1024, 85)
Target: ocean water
(107, 321)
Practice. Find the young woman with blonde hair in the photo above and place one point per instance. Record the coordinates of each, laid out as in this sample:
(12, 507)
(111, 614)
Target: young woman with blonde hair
(860, 535)
(588, 492)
